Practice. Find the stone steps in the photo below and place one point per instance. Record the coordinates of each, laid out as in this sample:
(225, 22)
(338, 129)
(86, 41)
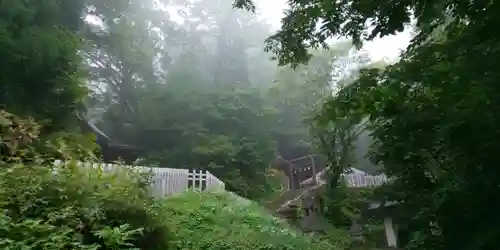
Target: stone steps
(284, 197)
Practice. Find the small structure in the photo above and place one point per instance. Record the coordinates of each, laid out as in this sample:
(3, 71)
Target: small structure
(165, 181)
(387, 211)
(298, 170)
(301, 204)
(111, 150)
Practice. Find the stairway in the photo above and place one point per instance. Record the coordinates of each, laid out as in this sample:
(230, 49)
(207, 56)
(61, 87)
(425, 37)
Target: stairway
(283, 198)
(297, 207)
(302, 180)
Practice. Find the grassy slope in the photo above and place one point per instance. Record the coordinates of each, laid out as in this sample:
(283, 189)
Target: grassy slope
(212, 221)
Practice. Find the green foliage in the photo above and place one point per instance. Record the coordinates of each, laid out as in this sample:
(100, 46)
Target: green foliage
(20, 142)
(212, 128)
(338, 237)
(430, 115)
(68, 146)
(234, 130)
(205, 106)
(74, 207)
(40, 65)
(343, 204)
(359, 21)
(44, 206)
(224, 221)
(184, 96)
(296, 94)
(16, 135)
(184, 102)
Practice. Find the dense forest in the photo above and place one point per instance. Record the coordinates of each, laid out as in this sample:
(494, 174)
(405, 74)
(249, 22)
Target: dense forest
(199, 93)
(190, 84)
(431, 115)
(202, 92)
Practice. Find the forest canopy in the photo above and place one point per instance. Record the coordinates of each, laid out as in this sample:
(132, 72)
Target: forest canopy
(201, 93)
(430, 114)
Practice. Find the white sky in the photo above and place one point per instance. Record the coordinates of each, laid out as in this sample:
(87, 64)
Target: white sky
(386, 48)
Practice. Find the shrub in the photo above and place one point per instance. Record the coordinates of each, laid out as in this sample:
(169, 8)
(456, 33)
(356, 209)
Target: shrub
(344, 204)
(218, 221)
(20, 142)
(70, 207)
(16, 135)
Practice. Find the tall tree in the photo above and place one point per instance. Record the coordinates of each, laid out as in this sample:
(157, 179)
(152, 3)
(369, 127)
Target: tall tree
(186, 113)
(40, 71)
(297, 94)
(430, 112)
(232, 37)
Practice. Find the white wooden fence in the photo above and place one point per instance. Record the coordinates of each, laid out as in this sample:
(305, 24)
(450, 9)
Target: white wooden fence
(356, 179)
(168, 181)
(362, 180)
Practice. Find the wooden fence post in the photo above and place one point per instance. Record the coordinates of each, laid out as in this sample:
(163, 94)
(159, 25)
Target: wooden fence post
(197, 180)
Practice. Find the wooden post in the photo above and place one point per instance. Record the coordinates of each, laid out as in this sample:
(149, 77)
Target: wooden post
(291, 176)
(313, 165)
(390, 232)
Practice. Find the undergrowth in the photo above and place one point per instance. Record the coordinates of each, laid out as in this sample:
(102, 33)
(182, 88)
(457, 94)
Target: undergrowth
(216, 221)
(66, 206)
(44, 206)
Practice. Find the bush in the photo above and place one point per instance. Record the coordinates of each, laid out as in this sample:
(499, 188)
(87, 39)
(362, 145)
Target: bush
(20, 142)
(344, 204)
(70, 207)
(43, 206)
(218, 221)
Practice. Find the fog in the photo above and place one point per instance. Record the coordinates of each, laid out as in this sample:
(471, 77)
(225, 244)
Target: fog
(190, 84)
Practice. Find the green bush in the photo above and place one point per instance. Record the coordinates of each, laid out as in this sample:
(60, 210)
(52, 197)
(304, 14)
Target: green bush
(70, 207)
(344, 204)
(218, 221)
(20, 142)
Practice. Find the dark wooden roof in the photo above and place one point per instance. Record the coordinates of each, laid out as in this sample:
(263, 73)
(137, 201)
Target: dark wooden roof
(111, 150)
(381, 209)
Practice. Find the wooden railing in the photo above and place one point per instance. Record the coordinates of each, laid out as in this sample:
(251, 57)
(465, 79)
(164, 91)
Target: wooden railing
(360, 180)
(351, 179)
(168, 181)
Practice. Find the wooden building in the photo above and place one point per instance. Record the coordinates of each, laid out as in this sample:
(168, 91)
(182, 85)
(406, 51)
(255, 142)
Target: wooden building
(111, 150)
